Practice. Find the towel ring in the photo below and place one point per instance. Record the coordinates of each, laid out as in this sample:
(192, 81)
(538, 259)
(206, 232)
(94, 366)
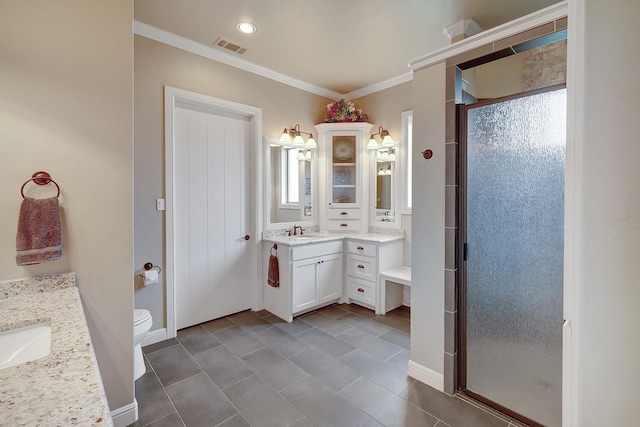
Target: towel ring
(40, 178)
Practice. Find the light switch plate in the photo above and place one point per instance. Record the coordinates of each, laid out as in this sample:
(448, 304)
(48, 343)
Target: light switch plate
(159, 204)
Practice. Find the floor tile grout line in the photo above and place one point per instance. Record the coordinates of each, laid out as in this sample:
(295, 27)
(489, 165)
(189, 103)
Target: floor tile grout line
(168, 397)
(336, 393)
(271, 325)
(163, 348)
(222, 390)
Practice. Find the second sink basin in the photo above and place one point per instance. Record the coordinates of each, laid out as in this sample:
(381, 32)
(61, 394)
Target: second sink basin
(21, 345)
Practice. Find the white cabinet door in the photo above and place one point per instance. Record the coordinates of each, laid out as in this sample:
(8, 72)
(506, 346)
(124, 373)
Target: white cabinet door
(304, 277)
(331, 279)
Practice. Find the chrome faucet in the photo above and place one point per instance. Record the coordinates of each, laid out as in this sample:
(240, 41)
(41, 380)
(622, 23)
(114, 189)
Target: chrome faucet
(295, 230)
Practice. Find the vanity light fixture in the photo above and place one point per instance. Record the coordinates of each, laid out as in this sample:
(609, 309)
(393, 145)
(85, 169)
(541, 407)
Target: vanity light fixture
(304, 155)
(292, 136)
(388, 155)
(387, 141)
(384, 171)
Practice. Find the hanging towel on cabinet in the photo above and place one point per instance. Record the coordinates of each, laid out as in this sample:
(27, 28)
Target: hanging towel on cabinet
(273, 276)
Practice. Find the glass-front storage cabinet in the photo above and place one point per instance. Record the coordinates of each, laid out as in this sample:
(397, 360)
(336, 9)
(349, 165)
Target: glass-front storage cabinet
(345, 170)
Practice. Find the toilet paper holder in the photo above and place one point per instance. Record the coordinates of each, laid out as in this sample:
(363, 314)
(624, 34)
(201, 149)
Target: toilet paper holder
(150, 266)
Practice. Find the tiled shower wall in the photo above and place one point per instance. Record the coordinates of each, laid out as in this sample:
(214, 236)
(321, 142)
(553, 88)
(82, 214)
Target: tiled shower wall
(545, 65)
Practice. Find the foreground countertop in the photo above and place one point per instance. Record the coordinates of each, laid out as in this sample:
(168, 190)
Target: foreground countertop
(65, 387)
(306, 239)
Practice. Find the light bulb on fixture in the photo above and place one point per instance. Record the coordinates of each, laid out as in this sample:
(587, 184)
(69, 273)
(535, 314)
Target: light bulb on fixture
(387, 141)
(285, 138)
(373, 144)
(298, 141)
(311, 143)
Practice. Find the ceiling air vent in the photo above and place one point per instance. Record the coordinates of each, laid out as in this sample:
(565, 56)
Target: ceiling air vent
(225, 44)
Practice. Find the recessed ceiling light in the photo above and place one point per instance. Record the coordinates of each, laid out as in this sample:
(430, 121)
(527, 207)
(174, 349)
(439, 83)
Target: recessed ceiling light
(246, 27)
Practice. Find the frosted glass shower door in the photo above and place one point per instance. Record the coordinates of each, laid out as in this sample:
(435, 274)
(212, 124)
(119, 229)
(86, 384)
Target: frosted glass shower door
(515, 161)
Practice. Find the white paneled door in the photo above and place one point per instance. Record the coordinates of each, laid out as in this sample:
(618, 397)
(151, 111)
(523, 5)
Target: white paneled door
(213, 271)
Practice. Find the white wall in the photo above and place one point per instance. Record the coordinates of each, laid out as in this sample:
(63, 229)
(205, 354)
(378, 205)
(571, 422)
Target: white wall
(156, 65)
(66, 107)
(384, 108)
(608, 349)
(427, 271)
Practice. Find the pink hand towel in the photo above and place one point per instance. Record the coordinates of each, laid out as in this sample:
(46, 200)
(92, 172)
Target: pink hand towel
(39, 235)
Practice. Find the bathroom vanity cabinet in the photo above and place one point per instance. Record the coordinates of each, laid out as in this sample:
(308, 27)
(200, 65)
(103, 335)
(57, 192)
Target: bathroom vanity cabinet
(323, 270)
(311, 275)
(364, 262)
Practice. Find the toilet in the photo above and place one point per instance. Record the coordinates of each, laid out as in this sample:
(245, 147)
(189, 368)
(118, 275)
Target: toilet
(141, 325)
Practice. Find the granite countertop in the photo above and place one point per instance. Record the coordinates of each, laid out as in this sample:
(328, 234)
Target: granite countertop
(65, 387)
(325, 237)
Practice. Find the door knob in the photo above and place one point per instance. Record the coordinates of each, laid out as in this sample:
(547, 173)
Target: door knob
(245, 237)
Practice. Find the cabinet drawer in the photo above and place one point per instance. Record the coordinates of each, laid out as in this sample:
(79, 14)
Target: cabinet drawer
(316, 249)
(343, 225)
(360, 248)
(362, 267)
(343, 214)
(362, 291)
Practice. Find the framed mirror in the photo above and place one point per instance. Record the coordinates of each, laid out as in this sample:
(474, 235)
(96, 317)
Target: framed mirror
(290, 186)
(385, 187)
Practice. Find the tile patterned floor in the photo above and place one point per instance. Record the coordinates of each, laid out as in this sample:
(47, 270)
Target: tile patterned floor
(338, 366)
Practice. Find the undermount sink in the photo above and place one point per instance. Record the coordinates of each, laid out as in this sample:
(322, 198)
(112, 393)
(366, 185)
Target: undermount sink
(21, 345)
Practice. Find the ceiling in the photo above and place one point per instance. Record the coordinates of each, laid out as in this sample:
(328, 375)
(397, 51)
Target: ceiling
(338, 45)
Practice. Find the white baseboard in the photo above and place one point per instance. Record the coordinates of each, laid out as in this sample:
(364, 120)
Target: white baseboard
(126, 415)
(154, 336)
(427, 376)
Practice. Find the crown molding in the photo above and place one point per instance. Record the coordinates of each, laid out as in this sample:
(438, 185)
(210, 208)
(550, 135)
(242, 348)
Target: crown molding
(377, 87)
(171, 39)
(516, 26)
